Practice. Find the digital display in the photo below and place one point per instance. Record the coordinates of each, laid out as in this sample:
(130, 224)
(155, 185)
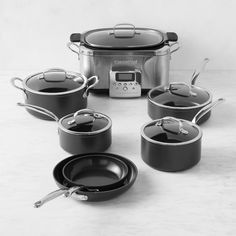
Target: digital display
(124, 77)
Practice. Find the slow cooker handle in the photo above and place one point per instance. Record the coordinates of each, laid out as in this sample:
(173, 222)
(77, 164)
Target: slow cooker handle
(172, 36)
(75, 37)
(13, 82)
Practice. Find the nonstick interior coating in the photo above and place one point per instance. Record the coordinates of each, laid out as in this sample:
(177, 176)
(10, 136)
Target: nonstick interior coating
(101, 195)
(95, 171)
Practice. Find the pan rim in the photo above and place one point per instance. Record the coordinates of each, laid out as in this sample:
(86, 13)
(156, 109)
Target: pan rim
(198, 137)
(209, 100)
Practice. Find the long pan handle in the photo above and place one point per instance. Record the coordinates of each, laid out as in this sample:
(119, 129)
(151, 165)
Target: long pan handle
(206, 109)
(39, 110)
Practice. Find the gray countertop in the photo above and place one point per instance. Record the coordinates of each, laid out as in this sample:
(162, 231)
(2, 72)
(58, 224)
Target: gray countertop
(199, 201)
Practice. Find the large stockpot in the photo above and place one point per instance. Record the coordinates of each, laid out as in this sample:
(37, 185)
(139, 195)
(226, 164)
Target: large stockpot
(126, 59)
(171, 144)
(80, 132)
(57, 90)
(179, 99)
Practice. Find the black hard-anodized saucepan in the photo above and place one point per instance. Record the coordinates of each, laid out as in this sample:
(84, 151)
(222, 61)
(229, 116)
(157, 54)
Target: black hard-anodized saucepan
(62, 92)
(171, 144)
(79, 192)
(179, 99)
(80, 132)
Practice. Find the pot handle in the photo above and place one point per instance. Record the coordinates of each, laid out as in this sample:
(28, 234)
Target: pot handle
(206, 109)
(91, 82)
(172, 89)
(13, 82)
(67, 192)
(85, 111)
(39, 110)
(199, 70)
(176, 47)
(74, 48)
(168, 119)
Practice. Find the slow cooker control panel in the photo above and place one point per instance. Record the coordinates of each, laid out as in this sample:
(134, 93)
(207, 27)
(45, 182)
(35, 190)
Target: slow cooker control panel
(125, 84)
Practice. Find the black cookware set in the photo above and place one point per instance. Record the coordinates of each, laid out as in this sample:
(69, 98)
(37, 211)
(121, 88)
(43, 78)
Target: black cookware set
(171, 141)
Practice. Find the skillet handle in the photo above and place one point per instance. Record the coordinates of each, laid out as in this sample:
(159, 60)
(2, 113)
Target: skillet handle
(39, 110)
(92, 81)
(67, 192)
(206, 109)
(199, 70)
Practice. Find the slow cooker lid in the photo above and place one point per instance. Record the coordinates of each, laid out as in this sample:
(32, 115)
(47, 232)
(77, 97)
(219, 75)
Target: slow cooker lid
(86, 121)
(124, 36)
(179, 95)
(170, 130)
(55, 81)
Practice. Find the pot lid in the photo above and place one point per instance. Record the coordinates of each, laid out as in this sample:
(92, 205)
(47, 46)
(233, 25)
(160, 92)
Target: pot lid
(55, 81)
(179, 95)
(124, 36)
(170, 130)
(86, 121)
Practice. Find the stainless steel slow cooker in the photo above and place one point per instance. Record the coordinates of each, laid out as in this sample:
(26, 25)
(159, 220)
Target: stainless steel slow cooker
(126, 59)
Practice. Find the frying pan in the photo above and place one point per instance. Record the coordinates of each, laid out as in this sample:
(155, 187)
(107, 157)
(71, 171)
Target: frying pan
(171, 144)
(94, 172)
(84, 194)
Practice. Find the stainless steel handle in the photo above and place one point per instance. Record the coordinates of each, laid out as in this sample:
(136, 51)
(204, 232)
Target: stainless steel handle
(73, 46)
(80, 112)
(167, 119)
(95, 78)
(199, 70)
(189, 90)
(49, 75)
(176, 48)
(39, 110)
(206, 109)
(118, 27)
(13, 82)
(67, 192)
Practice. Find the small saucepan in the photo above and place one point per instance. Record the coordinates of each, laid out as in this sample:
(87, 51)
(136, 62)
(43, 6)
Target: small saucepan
(62, 92)
(80, 132)
(179, 100)
(171, 144)
(92, 177)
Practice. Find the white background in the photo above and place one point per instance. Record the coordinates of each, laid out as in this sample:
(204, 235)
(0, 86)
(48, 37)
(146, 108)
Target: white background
(198, 202)
(34, 34)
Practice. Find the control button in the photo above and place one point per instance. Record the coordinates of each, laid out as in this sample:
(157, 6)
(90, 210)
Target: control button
(130, 83)
(119, 84)
(117, 87)
(136, 83)
(114, 83)
(125, 84)
(125, 88)
(133, 88)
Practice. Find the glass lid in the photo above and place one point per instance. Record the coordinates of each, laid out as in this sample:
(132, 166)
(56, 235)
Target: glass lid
(124, 36)
(55, 81)
(170, 130)
(179, 95)
(86, 121)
